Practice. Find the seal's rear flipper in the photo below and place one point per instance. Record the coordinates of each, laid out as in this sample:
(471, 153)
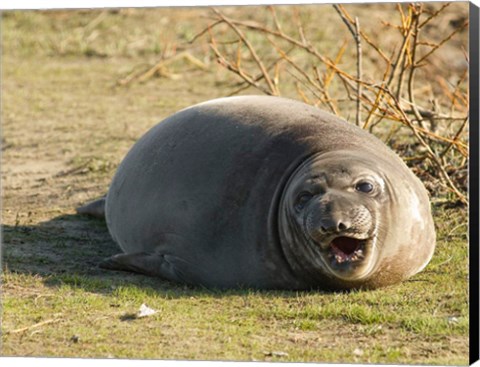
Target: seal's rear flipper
(164, 266)
(95, 208)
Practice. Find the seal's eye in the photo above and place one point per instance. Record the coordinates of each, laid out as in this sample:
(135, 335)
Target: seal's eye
(302, 200)
(364, 186)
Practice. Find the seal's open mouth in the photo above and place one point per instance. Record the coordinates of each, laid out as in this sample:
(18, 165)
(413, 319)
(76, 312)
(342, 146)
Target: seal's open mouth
(346, 249)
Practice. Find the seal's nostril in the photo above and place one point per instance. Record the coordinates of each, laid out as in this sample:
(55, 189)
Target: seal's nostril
(334, 226)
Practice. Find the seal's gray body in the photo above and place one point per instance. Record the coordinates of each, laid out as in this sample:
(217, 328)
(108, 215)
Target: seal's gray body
(198, 196)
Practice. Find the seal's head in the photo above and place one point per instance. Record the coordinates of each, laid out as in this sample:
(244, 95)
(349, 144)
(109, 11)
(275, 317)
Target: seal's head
(342, 217)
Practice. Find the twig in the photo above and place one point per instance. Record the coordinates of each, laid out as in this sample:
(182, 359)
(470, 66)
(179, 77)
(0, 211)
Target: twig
(305, 85)
(378, 99)
(456, 94)
(356, 36)
(236, 70)
(198, 35)
(300, 27)
(457, 135)
(295, 66)
(399, 59)
(413, 67)
(444, 6)
(34, 326)
(408, 22)
(434, 266)
(94, 22)
(365, 37)
(431, 154)
(455, 228)
(244, 85)
(300, 92)
(324, 91)
(344, 19)
(400, 56)
(308, 48)
(273, 90)
(275, 19)
(428, 54)
(330, 73)
(359, 71)
(402, 117)
(160, 67)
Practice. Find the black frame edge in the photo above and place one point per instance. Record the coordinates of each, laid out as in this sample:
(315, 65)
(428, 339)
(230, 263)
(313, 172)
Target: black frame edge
(474, 263)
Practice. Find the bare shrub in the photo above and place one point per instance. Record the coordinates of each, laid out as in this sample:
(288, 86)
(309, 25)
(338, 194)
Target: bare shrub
(397, 77)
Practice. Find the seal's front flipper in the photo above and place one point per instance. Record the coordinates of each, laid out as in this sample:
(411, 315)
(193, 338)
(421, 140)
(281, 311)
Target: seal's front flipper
(95, 208)
(164, 266)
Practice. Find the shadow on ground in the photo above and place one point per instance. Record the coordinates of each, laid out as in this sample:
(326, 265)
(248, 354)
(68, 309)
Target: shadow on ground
(67, 250)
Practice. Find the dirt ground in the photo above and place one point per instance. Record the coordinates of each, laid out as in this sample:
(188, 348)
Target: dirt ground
(66, 125)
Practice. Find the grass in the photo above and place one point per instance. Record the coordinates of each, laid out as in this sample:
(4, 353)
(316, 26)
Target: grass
(240, 325)
(424, 319)
(66, 125)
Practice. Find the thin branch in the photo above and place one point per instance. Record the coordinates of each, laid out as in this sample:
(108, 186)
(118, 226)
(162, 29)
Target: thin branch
(300, 27)
(240, 34)
(330, 73)
(34, 326)
(308, 48)
(433, 157)
(400, 56)
(413, 67)
(260, 76)
(457, 135)
(365, 37)
(356, 36)
(295, 66)
(378, 99)
(206, 30)
(463, 98)
(344, 19)
(435, 14)
(428, 54)
(408, 23)
(359, 71)
(235, 69)
(324, 90)
(275, 19)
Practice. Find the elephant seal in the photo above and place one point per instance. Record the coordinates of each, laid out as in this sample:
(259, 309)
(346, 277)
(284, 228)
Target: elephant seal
(267, 193)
